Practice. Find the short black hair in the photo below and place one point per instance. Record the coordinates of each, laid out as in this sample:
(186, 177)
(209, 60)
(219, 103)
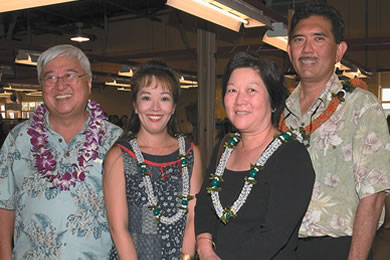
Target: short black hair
(320, 9)
(271, 75)
(143, 77)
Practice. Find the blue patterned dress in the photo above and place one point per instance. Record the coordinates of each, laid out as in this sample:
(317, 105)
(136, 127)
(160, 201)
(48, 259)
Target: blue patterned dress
(154, 240)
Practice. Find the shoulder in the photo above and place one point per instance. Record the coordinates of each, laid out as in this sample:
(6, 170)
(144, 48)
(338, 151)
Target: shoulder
(113, 155)
(113, 129)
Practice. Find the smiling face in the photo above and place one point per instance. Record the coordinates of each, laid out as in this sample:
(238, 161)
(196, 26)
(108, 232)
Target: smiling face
(247, 102)
(154, 106)
(313, 50)
(61, 99)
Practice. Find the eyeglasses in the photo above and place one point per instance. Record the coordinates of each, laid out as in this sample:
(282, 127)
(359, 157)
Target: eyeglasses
(68, 79)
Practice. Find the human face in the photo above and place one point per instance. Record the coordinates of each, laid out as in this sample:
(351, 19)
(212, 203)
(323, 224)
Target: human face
(247, 102)
(65, 100)
(154, 106)
(313, 50)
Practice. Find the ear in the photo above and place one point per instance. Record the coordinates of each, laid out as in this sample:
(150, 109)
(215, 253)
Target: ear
(341, 49)
(289, 51)
(90, 84)
(135, 108)
(173, 109)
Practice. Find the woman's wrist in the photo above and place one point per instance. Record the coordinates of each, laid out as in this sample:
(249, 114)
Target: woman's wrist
(184, 256)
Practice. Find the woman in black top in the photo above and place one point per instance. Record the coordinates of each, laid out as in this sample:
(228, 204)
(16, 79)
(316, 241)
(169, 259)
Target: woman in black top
(254, 203)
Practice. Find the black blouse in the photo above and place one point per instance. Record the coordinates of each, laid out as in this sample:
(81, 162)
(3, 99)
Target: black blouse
(266, 226)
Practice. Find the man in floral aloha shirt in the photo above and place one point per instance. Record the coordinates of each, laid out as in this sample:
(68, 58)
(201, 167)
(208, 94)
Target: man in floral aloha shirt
(347, 137)
(51, 196)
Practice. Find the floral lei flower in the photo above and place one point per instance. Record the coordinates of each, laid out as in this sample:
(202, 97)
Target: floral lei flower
(337, 98)
(227, 213)
(44, 159)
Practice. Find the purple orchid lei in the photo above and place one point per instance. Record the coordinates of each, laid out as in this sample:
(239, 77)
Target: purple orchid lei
(44, 160)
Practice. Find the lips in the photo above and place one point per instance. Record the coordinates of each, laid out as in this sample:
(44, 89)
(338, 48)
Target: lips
(155, 117)
(308, 60)
(63, 96)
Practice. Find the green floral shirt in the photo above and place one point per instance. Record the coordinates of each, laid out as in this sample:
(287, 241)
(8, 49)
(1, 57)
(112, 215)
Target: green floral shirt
(350, 154)
(49, 223)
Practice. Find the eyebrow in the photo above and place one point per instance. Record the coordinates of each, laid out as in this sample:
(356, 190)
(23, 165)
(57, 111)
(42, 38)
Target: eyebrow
(66, 71)
(315, 34)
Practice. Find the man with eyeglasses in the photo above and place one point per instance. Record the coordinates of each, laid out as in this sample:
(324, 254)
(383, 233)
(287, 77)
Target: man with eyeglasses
(345, 130)
(51, 196)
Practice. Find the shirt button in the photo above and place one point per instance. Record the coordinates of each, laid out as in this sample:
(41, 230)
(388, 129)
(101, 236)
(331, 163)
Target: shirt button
(67, 154)
(60, 140)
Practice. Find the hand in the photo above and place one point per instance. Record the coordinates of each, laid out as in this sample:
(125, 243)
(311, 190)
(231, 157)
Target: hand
(210, 255)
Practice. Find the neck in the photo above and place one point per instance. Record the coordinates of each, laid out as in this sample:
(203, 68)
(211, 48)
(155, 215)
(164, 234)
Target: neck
(250, 141)
(156, 144)
(309, 94)
(68, 127)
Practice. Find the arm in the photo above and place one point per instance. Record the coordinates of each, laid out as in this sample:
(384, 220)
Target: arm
(195, 184)
(7, 220)
(116, 204)
(205, 247)
(365, 225)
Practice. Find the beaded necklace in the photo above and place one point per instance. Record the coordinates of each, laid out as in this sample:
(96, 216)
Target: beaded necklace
(152, 200)
(227, 213)
(44, 159)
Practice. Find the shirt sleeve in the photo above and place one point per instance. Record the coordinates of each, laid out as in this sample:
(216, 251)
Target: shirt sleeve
(7, 181)
(291, 188)
(370, 148)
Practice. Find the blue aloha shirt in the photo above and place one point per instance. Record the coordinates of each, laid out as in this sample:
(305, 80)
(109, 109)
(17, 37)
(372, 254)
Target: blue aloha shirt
(49, 223)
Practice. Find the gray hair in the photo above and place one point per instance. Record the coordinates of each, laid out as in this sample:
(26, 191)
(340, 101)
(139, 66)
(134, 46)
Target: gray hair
(63, 50)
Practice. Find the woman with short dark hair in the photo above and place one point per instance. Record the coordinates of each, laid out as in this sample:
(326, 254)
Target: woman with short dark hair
(260, 186)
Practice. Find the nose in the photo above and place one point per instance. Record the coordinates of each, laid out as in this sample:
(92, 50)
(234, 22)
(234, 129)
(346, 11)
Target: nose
(241, 98)
(155, 105)
(308, 47)
(60, 83)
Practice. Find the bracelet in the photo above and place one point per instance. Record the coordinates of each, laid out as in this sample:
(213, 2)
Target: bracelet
(184, 256)
(207, 238)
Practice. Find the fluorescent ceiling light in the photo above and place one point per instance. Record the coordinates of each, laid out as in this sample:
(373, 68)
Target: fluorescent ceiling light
(277, 37)
(35, 94)
(354, 74)
(185, 83)
(228, 13)
(125, 71)
(26, 58)
(341, 66)
(116, 84)
(11, 5)
(123, 89)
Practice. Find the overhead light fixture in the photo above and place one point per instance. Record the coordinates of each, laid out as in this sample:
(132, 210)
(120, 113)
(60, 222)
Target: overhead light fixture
(123, 89)
(114, 83)
(5, 94)
(125, 71)
(35, 94)
(277, 37)
(228, 13)
(341, 66)
(27, 58)
(7, 5)
(354, 74)
(185, 83)
(80, 37)
(22, 88)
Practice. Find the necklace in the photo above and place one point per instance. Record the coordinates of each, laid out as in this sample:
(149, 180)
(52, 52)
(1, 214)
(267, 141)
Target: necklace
(44, 159)
(152, 200)
(336, 100)
(227, 213)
